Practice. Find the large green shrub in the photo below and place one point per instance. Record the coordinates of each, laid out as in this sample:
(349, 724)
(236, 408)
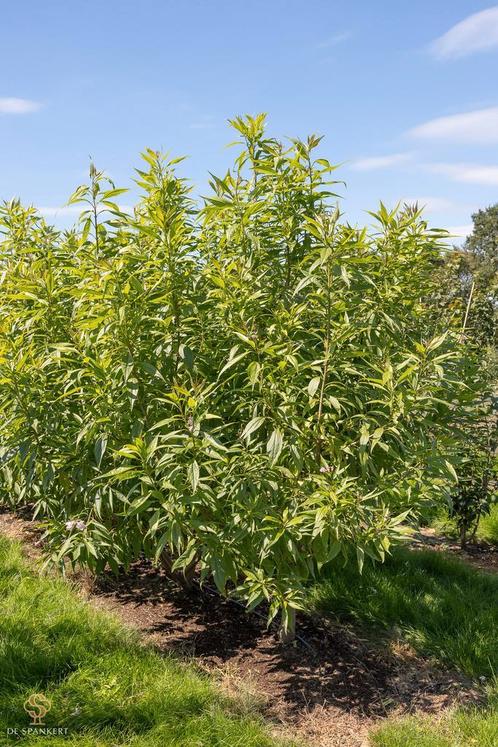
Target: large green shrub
(252, 387)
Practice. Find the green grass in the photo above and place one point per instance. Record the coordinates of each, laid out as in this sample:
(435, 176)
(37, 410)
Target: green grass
(444, 609)
(441, 606)
(104, 685)
(488, 526)
(487, 529)
(112, 691)
(462, 728)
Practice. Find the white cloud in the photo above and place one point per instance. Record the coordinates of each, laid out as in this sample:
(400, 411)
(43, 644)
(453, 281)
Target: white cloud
(479, 126)
(467, 172)
(54, 211)
(205, 122)
(461, 231)
(475, 33)
(431, 204)
(201, 125)
(332, 41)
(18, 106)
(380, 162)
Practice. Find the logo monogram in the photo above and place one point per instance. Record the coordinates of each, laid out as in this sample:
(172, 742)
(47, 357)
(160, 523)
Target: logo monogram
(37, 706)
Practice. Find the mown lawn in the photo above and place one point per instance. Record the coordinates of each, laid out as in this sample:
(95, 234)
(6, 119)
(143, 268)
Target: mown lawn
(462, 728)
(104, 686)
(444, 609)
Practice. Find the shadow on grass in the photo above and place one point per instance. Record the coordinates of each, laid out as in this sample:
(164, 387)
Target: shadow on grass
(103, 684)
(438, 604)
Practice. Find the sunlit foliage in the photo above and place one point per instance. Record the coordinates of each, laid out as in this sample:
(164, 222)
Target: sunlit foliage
(250, 385)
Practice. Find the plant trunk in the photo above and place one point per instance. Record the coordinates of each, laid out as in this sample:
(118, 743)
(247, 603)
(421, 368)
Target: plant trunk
(184, 578)
(288, 635)
(474, 532)
(463, 538)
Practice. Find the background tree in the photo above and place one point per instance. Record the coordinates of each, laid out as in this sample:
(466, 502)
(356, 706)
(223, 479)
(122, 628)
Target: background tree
(468, 297)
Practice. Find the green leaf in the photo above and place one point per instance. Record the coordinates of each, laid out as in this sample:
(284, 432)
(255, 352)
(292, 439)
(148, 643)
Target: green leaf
(253, 370)
(451, 470)
(274, 445)
(335, 404)
(100, 448)
(313, 386)
(233, 361)
(360, 557)
(193, 475)
(252, 426)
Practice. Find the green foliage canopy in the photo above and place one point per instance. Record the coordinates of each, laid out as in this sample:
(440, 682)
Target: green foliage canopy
(252, 386)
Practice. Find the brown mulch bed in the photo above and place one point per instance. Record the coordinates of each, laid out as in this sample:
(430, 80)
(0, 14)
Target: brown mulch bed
(21, 527)
(329, 688)
(482, 555)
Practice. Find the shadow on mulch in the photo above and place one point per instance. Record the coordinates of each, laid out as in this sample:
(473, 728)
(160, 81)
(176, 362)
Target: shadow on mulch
(327, 666)
(480, 554)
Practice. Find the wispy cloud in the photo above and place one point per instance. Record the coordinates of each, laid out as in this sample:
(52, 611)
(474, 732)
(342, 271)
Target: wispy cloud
(475, 33)
(380, 162)
(18, 106)
(201, 125)
(335, 39)
(205, 122)
(467, 172)
(479, 126)
(431, 204)
(51, 211)
(461, 231)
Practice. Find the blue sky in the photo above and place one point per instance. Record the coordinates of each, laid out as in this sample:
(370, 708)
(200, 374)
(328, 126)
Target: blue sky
(406, 94)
